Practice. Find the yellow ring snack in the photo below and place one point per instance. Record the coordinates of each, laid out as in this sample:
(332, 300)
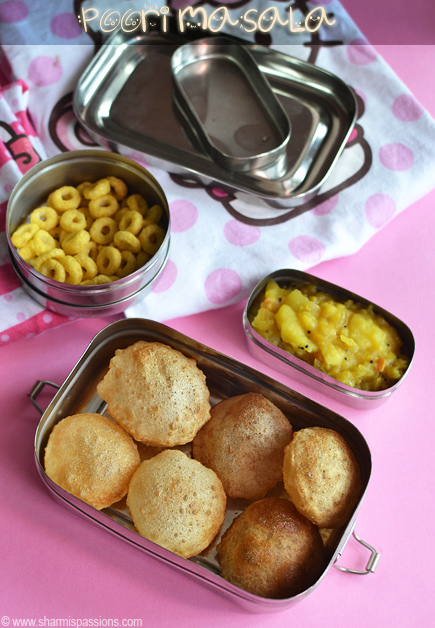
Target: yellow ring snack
(105, 205)
(27, 253)
(55, 253)
(75, 242)
(82, 186)
(142, 258)
(62, 235)
(45, 218)
(100, 188)
(120, 213)
(154, 213)
(103, 229)
(131, 221)
(86, 213)
(56, 232)
(128, 264)
(86, 222)
(23, 234)
(64, 198)
(126, 241)
(99, 279)
(73, 270)
(118, 188)
(138, 203)
(88, 265)
(73, 220)
(151, 238)
(43, 242)
(108, 260)
(91, 249)
(53, 269)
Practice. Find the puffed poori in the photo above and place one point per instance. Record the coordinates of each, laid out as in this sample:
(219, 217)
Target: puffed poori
(322, 476)
(177, 503)
(156, 393)
(271, 550)
(92, 458)
(244, 444)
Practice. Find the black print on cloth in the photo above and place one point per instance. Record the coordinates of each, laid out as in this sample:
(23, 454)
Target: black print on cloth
(65, 130)
(19, 147)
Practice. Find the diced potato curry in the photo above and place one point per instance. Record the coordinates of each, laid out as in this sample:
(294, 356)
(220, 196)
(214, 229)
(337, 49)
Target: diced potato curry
(346, 340)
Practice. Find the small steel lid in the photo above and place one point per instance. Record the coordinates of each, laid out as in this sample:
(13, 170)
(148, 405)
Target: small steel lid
(229, 103)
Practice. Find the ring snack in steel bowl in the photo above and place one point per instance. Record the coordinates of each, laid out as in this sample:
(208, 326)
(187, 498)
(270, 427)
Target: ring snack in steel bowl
(73, 169)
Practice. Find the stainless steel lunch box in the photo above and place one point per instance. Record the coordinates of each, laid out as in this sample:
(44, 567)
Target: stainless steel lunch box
(225, 377)
(292, 366)
(124, 99)
(72, 168)
(213, 77)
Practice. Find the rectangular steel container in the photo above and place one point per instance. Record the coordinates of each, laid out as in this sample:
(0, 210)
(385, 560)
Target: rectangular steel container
(292, 366)
(225, 377)
(125, 101)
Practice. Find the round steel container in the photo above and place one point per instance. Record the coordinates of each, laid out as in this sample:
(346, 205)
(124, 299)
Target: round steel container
(73, 168)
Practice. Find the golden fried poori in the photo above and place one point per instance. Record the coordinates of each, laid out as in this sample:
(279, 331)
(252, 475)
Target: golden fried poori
(92, 458)
(322, 476)
(271, 550)
(156, 393)
(177, 503)
(244, 444)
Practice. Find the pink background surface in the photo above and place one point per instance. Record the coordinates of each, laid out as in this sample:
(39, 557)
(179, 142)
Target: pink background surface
(55, 565)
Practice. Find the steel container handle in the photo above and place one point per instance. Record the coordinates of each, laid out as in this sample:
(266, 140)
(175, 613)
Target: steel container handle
(372, 562)
(37, 388)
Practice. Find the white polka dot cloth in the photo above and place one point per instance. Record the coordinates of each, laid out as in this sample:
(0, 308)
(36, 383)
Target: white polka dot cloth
(221, 244)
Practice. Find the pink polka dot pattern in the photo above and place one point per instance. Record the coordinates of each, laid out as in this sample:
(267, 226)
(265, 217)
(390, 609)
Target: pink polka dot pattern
(166, 279)
(47, 318)
(219, 192)
(184, 215)
(353, 135)
(406, 108)
(13, 11)
(307, 249)
(379, 209)
(44, 71)
(326, 206)
(361, 94)
(21, 317)
(359, 52)
(396, 156)
(222, 285)
(65, 26)
(239, 234)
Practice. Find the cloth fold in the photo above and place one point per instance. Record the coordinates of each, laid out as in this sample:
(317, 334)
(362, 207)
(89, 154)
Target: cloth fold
(222, 244)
